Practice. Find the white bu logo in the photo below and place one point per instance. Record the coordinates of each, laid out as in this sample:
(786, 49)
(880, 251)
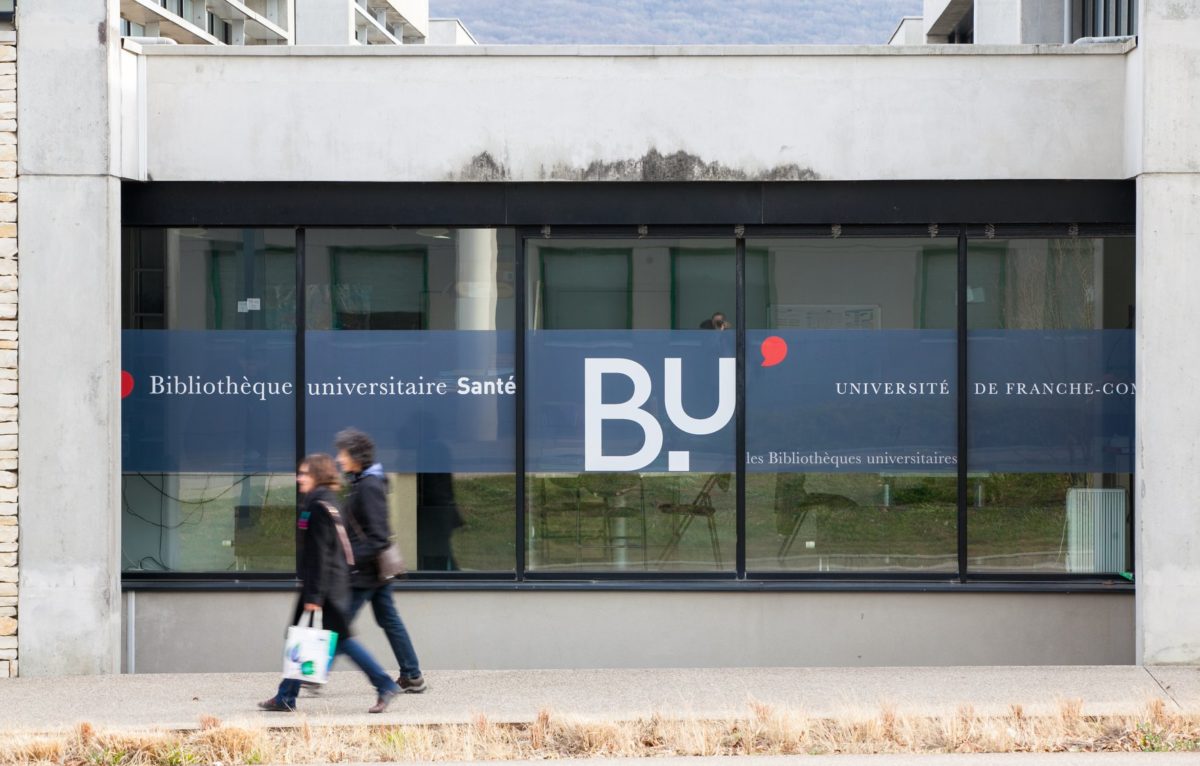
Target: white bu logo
(595, 412)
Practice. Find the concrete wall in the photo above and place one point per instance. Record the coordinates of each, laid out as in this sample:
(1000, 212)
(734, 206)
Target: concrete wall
(448, 32)
(213, 632)
(325, 22)
(69, 588)
(630, 113)
(998, 22)
(1168, 345)
(1042, 21)
(1010, 22)
(910, 31)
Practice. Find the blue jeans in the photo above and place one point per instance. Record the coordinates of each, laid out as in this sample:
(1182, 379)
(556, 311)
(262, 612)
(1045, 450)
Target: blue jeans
(393, 627)
(289, 688)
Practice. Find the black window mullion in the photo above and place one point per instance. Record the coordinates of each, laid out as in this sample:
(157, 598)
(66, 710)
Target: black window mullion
(300, 371)
(519, 400)
(740, 394)
(961, 345)
(300, 363)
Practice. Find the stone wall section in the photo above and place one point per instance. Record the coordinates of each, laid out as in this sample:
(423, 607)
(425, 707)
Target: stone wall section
(8, 355)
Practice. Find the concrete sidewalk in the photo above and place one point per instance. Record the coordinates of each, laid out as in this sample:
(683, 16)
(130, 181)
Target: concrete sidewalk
(178, 701)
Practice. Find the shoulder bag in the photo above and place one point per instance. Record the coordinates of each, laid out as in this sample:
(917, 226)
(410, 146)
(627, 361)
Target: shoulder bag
(389, 562)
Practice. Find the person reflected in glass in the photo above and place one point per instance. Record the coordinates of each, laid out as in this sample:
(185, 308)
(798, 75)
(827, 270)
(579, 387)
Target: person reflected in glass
(437, 512)
(323, 556)
(370, 533)
(715, 322)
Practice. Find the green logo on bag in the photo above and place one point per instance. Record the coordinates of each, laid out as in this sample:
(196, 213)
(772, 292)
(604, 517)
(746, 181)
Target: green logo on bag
(307, 668)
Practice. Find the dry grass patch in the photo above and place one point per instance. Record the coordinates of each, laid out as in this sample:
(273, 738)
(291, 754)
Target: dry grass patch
(763, 731)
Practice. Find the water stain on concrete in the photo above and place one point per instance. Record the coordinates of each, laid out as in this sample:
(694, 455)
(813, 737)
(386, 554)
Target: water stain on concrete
(677, 166)
(483, 167)
(651, 166)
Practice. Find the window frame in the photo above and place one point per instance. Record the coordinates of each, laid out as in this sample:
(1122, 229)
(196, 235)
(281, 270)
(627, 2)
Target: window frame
(158, 205)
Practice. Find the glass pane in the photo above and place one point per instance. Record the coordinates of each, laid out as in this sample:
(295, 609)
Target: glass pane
(630, 428)
(208, 410)
(410, 339)
(1051, 406)
(701, 283)
(850, 407)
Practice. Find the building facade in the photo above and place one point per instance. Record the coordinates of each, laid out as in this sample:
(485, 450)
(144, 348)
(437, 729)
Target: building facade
(675, 356)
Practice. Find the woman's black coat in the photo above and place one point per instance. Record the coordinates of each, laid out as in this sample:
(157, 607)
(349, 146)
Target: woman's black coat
(321, 562)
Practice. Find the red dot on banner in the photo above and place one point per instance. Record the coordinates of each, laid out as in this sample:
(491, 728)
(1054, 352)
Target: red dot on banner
(774, 350)
(126, 384)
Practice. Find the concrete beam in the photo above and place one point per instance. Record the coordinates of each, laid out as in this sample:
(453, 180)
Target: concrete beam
(67, 56)
(1168, 453)
(69, 323)
(69, 591)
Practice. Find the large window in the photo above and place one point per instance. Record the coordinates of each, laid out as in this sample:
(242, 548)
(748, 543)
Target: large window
(908, 404)
(612, 483)
(208, 437)
(1050, 438)
(850, 435)
(413, 313)
(408, 335)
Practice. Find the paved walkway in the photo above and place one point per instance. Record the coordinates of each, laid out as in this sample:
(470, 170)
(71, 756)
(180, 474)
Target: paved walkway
(178, 701)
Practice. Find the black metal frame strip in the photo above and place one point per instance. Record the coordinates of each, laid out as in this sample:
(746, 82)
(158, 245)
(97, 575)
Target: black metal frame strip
(258, 204)
(707, 585)
(301, 358)
(521, 323)
(962, 398)
(740, 434)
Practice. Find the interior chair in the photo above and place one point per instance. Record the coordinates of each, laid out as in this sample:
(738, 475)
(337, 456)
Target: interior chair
(684, 513)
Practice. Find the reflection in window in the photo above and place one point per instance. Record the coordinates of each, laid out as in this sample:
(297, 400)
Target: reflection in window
(1054, 494)
(861, 312)
(421, 306)
(218, 282)
(642, 300)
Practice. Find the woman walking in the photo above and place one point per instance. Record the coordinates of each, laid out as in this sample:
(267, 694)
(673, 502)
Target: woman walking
(323, 552)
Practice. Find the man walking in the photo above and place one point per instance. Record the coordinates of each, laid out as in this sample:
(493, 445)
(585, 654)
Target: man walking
(366, 509)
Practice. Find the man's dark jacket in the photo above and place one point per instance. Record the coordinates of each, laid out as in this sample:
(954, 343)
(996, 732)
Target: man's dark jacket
(366, 502)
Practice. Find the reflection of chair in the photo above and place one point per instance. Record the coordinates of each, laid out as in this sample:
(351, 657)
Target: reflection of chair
(590, 512)
(793, 504)
(684, 513)
(613, 491)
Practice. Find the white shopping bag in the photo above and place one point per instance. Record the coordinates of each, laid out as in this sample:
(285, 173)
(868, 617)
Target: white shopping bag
(308, 651)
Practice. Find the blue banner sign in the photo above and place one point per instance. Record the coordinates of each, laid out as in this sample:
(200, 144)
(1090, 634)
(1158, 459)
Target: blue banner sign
(643, 400)
(860, 401)
(1051, 401)
(217, 402)
(435, 401)
(632, 400)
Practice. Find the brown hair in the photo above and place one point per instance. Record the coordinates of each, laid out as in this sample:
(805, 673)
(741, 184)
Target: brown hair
(322, 470)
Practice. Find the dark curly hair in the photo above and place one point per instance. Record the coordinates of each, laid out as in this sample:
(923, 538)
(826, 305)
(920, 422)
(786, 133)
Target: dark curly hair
(357, 445)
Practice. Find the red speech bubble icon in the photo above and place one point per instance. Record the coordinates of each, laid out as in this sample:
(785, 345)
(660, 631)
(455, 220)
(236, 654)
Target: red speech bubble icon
(126, 384)
(774, 351)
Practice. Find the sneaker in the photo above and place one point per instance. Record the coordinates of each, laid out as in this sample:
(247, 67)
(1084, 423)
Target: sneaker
(412, 685)
(273, 705)
(385, 699)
